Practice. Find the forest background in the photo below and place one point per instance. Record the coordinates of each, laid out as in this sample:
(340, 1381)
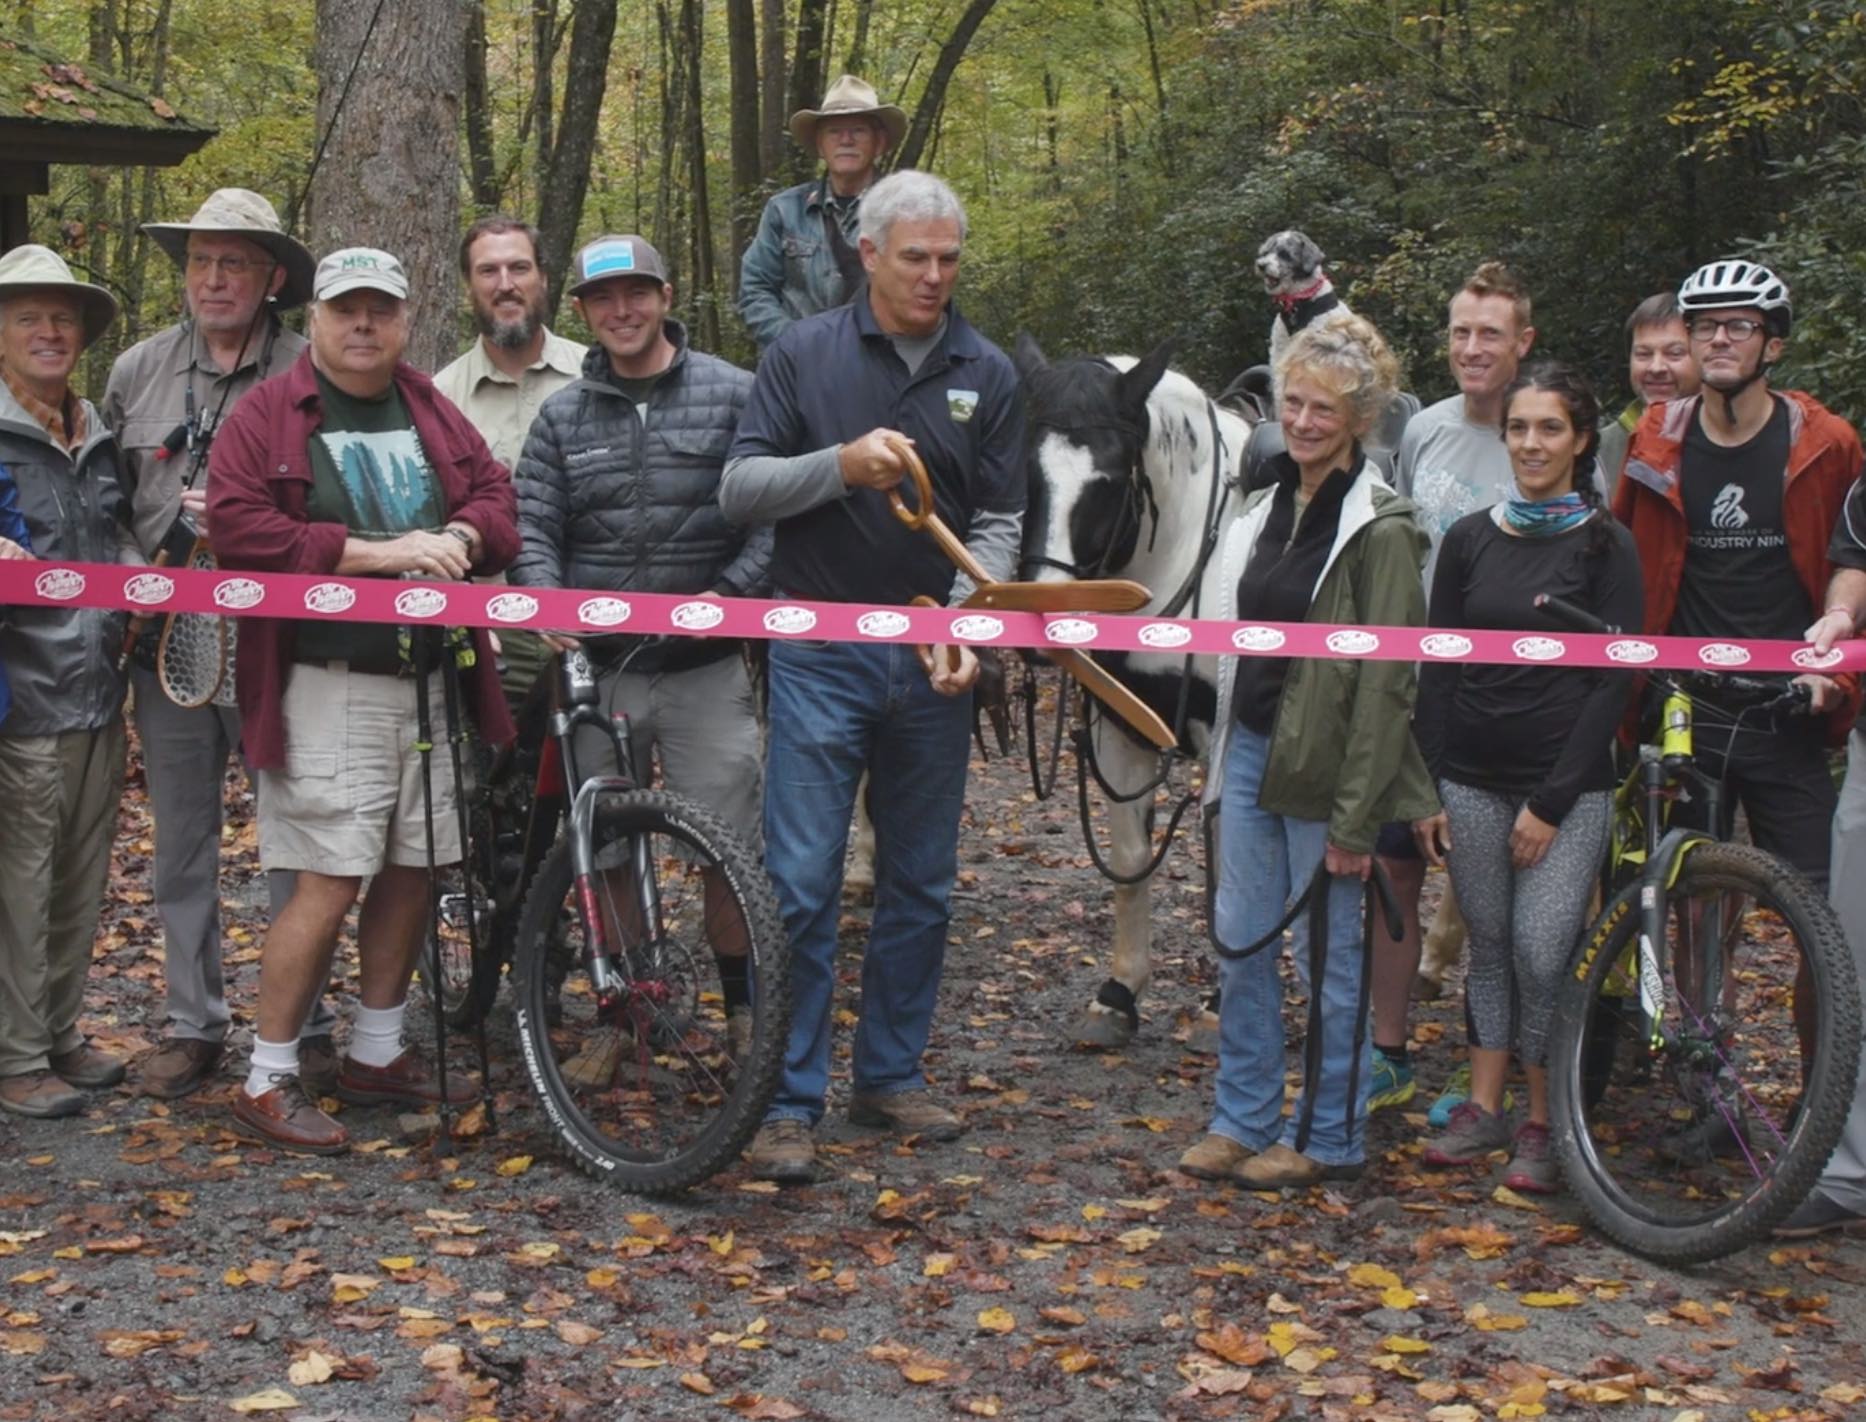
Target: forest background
(1120, 159)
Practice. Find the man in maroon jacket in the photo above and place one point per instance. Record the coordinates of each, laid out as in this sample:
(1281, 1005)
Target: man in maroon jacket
(350, 463)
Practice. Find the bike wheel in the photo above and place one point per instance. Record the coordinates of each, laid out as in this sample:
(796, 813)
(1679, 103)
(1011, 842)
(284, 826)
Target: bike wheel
(659, 1083)
(469, 935)
(1044, 734)
(1689, 1136)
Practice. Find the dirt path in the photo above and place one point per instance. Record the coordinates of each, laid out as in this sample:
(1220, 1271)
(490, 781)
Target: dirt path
(1050, 1264)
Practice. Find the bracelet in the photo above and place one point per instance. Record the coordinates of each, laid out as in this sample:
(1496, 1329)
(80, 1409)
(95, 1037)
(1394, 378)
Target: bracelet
(461, 534)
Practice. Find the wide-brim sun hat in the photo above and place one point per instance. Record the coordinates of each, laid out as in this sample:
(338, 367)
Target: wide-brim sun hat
(35, 268)
(849, 97)
(240, 212)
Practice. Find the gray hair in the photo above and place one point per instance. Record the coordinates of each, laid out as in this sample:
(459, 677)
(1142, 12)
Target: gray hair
(909, 196)
(1348, 356)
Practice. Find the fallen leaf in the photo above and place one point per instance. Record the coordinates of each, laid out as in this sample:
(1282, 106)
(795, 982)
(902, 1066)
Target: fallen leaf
(314, 1367)
(922, 1373)
(698, 1382)
(1067, 1317)
(1480, 1317)
(396, 1263)
(513, 1165)
(997, 1320)
(271, 1399)
(939, 1265)
(576, 1334)
(1564, 1299)
(1138, 1239)
(1372, 1276)
(1394, 1343)
(1505, 1196)
(1076, 1360)
(1400, 1298)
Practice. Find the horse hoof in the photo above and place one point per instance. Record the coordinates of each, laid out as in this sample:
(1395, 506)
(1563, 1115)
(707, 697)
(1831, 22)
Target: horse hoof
(1203, 1035)
(1103, 1031)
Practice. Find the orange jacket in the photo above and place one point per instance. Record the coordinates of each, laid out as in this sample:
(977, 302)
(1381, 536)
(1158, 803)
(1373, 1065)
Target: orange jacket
(1823, 461)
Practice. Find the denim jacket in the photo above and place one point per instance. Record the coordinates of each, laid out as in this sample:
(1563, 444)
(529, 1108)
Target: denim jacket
(789, 271)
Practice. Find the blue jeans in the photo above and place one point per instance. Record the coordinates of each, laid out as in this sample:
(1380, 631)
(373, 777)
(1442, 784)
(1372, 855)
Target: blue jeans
(837, 709)
(1263, 860)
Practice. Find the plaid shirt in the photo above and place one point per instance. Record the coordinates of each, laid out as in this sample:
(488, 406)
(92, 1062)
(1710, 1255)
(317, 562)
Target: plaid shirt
(65, 425)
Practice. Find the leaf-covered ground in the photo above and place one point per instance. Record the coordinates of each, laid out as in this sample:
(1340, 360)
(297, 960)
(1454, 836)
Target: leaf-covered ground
(1051, 1263)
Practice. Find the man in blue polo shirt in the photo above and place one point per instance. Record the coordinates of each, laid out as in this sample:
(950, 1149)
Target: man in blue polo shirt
(815, 455)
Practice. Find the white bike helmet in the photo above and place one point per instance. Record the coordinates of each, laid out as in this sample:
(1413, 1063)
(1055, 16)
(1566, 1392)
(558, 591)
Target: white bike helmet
(1730, 281)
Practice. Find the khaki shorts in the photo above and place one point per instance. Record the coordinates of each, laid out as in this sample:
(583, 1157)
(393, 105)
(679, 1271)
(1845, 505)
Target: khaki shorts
(701, 729)
(349, 799)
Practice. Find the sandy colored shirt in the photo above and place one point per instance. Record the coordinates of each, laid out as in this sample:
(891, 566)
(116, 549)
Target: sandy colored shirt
(500, 407)
(146, 401)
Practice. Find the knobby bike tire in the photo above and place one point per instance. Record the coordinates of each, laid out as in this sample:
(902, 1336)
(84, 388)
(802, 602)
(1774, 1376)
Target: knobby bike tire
(541, 933)
(1827, 1091)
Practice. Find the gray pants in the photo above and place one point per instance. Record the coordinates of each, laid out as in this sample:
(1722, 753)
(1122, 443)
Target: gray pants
(185, 755)
(60, 795)
(1523, 923)
(1844, 1181)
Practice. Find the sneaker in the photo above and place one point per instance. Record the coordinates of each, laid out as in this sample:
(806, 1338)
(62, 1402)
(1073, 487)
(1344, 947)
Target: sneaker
(783, 1151)
(407, 1081)
(1532, 1162)
(178, 1066)
(317, 1066)
(1280, 1168)
(1819, 1215)
(1392, 1083)
(1214, 1158)
(1458, 1091)
(907, 1113)
(85, 1066)
(285, 1117)
(1471, 1135)
(42, 1094)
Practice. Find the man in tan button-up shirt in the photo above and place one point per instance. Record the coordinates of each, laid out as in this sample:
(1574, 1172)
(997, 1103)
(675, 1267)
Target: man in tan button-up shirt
(500, 380)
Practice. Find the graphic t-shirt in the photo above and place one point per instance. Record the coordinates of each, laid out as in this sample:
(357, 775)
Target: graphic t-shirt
(369, 473)
(1738, 579)
(1450, 467)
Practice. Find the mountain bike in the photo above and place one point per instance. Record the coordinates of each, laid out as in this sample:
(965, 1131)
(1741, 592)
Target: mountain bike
(1707, 1030)
(648, 956)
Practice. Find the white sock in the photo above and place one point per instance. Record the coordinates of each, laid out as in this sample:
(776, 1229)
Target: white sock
(376, 1035)
(271, 1060)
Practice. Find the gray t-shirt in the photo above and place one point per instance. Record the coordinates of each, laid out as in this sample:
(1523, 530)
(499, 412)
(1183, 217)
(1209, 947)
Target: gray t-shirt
(1450, 467)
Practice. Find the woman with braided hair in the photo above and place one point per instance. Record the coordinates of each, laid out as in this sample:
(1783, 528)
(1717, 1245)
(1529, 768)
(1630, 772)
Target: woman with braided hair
(1523, 754)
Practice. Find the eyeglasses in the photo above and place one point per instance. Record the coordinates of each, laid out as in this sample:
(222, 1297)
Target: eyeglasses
(228, 266)
(1737, 328)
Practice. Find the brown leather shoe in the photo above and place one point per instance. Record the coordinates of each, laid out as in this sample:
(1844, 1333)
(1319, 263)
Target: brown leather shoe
(783, 1151)
(39, 1093)
(1214, 1158)
(909, 1113)
(87, 1067)
(177, 1067)
(287, 1118)
(1280, 1168)
(317, 1066)
(406, 1081)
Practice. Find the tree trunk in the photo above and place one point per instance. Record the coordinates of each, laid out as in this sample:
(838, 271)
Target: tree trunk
(479, 113)
(544, 36)
(560, 199)
(1159, 89)
(775, 140)
(742, 53)
(390, 175)
(933, 97)
(99, 225)
(806, 77)
(135, 277)
(858, 47)
(702, 298)
(1052, 102)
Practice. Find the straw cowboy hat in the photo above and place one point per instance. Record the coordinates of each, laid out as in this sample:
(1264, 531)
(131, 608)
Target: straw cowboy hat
(849, 97)
(239, 212)
(36, 268)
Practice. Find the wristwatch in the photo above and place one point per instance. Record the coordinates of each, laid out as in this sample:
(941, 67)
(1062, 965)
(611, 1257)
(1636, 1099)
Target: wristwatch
(460, 533)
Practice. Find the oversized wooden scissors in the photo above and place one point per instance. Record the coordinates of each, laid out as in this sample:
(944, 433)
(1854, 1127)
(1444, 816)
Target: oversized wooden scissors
(1078, 595)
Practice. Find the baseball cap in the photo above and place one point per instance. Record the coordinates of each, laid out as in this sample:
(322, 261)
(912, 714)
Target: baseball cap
(623, 256)
(359, 269)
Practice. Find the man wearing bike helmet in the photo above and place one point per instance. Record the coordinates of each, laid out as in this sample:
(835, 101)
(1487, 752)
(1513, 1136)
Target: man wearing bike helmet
(1731, 496)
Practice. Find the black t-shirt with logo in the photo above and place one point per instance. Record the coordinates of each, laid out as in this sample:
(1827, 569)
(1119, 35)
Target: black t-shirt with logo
(1739, 580)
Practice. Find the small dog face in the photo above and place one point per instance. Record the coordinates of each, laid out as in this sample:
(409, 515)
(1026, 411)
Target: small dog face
(1288, 261)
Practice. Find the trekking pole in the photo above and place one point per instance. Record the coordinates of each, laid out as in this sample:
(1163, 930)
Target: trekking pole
(422, 651)
(456, 743)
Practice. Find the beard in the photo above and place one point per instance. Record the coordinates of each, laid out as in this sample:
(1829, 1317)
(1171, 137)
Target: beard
(510, 335)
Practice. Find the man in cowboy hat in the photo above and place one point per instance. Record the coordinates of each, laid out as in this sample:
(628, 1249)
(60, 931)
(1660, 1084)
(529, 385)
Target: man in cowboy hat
(61, 743)
(805, 258)
(165, 398)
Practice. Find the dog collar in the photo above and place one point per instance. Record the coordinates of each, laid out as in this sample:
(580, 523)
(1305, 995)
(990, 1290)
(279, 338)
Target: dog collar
(1290, 300)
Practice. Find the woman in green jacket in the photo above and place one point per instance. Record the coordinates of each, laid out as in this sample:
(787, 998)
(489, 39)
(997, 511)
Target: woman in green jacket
(1310, 756)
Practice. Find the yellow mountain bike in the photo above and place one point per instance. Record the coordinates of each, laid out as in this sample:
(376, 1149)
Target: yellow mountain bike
(1707, 1034)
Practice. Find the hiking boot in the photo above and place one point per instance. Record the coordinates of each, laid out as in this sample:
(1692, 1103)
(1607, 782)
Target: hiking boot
(178, 1066)
(87, 1067)
(783, 1151)
(908, 1113)
(739, 1036)
(407, 1081)
(1392, 1083)
(1819, 1215)
(1471, 1135)
(594, 1066)
(1280, 1168)
(40, 1093)
(1214, 1158)
(317, 1066)
(1532, 1166)
(1457, 1092)
(285, 1117)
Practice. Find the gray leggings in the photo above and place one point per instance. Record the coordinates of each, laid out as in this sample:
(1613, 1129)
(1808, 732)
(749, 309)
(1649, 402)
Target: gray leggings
(1523, 922)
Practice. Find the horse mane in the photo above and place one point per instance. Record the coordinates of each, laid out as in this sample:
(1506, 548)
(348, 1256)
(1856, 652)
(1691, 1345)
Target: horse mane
(1073, 394)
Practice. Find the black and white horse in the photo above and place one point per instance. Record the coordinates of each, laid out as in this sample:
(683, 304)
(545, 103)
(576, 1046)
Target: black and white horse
(1134, 473)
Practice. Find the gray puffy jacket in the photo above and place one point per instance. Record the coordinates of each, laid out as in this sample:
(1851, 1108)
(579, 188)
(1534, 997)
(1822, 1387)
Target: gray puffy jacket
(611, 501)
(61, 662)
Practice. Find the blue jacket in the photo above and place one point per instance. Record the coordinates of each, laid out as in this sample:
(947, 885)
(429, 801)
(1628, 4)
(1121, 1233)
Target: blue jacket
(789, 271)
(13, 526)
